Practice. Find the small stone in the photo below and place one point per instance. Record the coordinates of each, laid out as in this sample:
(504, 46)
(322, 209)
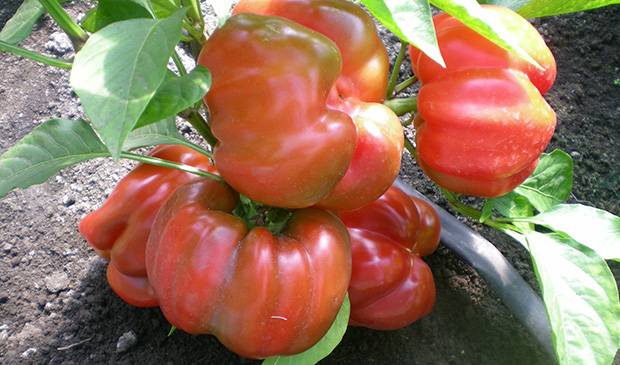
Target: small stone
(4, 327)
(68, 201)
(126, 341)
(575, 154)
(56, 282)
(49, 307)
(3, 336)
(26, 354)
(59, 44)
(7, 247)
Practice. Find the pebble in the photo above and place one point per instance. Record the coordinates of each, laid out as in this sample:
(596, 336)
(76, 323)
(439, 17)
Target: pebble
(26, 354)
(59, 44)
(126, 341)
(56, 282)
(7, 247)
(68, 201)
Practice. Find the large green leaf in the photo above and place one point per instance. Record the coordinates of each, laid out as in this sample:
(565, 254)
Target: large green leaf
(595, 228)
(112, 11)
(538, 8)
(322, 348)
(20, 25)
(470, 13)
(551, 183)
(49, 148)
(165, 8)
(58, 143)
(162, 132)
(411, 21)
(176, 94)
(581, 298)
(513, 205)
(118, 71)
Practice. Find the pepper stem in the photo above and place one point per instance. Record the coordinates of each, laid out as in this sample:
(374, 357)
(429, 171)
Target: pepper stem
(395, 71)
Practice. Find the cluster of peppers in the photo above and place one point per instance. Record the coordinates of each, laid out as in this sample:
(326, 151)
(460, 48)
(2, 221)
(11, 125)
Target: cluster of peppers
(296, 106)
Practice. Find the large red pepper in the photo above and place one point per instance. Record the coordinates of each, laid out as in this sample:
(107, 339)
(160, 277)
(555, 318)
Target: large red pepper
(391, 286)
(483, 121)
(261, 294)
(119, 229)
(295, 113)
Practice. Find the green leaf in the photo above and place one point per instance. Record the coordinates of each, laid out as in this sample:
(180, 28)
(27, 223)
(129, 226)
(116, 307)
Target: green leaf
(118, 71)
(512, 4)
(581, 299)
(20, 25)
(176, 94)
(595, 228)
(551, 183)
(165, 8)
(162, 132)
(411, 21)
(538, 8)
(512, 205)
(487, 211)
(49, 148)
(322, 348)
(112, 11)
(470, 13)
(58, 143)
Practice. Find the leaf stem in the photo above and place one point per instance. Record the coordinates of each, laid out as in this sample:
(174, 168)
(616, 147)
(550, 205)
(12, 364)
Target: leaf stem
(177, 62)
(405, 84)
(402, 106)
(194, 12)
(201, 125)
(77, 35)
(173, 165)
(474, 213)
(410, 147)
(395, 71)
(54, 62)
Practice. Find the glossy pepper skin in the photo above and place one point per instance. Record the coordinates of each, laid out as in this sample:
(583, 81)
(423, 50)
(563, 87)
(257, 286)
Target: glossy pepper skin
(483, 122)
(260, 294)
(391, 286)
(464, 49)
(119, 230)
(327, 118)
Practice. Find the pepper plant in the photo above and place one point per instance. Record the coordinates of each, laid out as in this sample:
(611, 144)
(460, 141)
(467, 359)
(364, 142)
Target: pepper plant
(131, 99)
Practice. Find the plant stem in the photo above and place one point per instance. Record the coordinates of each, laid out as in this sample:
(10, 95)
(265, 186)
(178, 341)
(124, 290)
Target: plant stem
(395, 71)
(177, 62)
(474, 213)
(173, 165)
(67, 24)
(405, 84)
(201, 125)
(196, 35)
(402, 106)
(194, 12)
(55, 62)
(410, 147)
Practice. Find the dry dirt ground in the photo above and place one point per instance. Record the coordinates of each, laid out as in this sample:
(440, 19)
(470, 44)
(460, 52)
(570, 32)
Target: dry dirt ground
(55, 304)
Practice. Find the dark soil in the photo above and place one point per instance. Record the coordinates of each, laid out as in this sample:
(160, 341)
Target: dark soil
(56, 306)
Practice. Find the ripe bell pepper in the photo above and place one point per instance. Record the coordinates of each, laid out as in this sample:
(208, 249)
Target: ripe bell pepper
(260, 294)
(391, 286)
(483, 122)
(119, 229)
(296, 113)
